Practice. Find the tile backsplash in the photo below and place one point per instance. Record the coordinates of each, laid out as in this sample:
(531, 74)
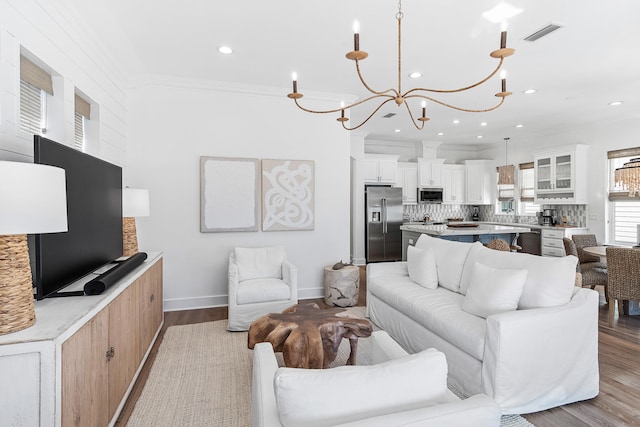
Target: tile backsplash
(576, 214)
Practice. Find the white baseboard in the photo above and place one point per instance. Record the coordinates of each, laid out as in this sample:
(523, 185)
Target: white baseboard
(179, 304)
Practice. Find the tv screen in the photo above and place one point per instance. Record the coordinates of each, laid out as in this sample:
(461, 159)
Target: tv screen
(94, 216)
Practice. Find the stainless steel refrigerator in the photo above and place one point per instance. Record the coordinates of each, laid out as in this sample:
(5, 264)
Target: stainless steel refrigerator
(383, 221)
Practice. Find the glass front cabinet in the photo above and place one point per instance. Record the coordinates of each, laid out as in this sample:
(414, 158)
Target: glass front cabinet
(560, 175)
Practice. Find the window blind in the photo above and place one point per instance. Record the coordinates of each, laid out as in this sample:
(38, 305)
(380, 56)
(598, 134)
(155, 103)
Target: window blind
(527, 182)
(82, 107)
(34, 75)
(31, 108)
(78, 135)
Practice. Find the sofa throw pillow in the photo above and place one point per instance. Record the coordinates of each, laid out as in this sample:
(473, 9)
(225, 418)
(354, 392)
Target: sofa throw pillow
(450, 258)
(260, 263)
(327, 397)
(421, 264)
(493, 290)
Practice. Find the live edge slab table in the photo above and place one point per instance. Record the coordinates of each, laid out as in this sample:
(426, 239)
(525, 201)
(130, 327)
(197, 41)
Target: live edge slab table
(309, 336)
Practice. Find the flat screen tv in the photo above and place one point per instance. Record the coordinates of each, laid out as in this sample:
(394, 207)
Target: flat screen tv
(94, 216)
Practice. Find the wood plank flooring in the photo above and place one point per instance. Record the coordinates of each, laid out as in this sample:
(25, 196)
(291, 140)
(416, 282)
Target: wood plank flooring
(618, 403)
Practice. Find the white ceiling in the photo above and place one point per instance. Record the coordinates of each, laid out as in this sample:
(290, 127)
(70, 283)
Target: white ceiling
(577, 70)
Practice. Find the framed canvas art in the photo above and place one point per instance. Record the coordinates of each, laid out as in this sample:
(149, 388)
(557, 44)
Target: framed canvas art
(229, 194)
(288, 195)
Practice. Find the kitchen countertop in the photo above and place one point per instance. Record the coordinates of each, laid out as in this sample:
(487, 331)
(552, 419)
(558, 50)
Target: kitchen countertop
(483, 228)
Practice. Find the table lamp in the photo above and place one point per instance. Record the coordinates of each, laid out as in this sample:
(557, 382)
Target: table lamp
(33, 199)
(135, 203)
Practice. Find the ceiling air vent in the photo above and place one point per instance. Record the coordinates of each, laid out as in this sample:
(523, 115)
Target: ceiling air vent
(548, 29)
(389, 115)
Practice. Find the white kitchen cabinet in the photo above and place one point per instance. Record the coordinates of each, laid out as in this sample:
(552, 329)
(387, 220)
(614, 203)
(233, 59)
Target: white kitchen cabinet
(551, 240)
(430, 172)
(453, 183)
(481, 182)
(407, 179)
(380, 169)
(561, 175)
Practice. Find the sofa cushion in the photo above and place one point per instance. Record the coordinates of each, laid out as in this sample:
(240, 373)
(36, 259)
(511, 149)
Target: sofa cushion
(326, 397)
(438, 310)
(421, 264)
(262, 290)
(550, 280)
(450, 259)
(258, 263)
(493, 290)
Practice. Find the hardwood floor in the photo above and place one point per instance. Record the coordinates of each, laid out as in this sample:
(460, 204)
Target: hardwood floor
(618, 403)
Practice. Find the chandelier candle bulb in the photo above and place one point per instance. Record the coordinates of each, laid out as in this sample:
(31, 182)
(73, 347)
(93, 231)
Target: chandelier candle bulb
(294, 77)
(503, 39)
(424, 109)
(356, 36)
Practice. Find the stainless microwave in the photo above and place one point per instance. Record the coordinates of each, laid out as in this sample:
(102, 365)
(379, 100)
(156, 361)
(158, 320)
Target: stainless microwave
(430, 195)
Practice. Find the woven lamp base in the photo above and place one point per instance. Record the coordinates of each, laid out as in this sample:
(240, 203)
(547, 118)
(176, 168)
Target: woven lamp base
(129, 236)
(16, 289)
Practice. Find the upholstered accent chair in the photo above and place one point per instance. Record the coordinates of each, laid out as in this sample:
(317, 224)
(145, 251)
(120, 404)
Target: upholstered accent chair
(624, 278)
(261, 281)
(594, 272)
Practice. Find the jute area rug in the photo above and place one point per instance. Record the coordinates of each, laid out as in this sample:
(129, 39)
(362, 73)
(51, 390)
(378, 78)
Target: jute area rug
(202, 377)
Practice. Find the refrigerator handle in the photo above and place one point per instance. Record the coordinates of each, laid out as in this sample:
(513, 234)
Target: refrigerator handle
(384, 216)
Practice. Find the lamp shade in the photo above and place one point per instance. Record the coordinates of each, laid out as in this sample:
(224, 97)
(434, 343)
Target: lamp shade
(135, 202)
(33, 198)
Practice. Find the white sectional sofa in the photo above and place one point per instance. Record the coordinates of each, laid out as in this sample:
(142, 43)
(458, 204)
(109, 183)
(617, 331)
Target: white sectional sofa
(512, 326)
(396, 390)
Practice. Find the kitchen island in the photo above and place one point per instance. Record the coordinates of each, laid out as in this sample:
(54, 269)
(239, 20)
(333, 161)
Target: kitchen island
(461, 232)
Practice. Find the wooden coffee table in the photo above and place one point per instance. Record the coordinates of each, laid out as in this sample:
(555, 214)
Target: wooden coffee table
(309, 336)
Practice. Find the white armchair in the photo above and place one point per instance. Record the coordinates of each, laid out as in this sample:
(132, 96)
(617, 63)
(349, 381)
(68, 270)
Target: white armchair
(397, 390)
(261, 281)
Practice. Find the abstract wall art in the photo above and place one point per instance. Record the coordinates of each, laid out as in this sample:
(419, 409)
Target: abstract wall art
(288, 195)
(229, 194)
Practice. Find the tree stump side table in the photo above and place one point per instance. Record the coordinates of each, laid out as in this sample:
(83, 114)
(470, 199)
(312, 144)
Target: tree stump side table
(341, 287)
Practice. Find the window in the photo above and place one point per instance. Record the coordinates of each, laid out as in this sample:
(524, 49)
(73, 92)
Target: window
(527, 186)
(35, 84)
(624, 211)
(82, 113)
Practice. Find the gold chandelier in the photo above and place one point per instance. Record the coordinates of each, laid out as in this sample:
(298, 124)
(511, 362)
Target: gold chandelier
(628, 175)
(400, 97)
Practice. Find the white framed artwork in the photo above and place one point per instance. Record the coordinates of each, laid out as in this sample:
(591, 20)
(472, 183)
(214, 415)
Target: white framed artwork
(288, 195)
(229, 194)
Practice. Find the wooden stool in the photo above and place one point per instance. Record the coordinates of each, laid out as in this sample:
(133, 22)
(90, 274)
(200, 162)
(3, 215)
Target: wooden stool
(341, 287)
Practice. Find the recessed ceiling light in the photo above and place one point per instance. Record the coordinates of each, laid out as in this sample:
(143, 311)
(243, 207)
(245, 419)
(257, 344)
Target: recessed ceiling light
(225, 50)
(483, 124)
(456, 121)
(396, 130)
(440, 133)
(614, 103)
(415, 75)
(529, 91)
(479, 136)
(519, 126)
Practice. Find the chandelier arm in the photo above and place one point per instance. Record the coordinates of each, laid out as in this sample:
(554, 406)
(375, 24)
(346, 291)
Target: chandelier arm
(419, 127)
(467, 110)
(337, 110)
(370, 115)
(385, 92)
(462, 89)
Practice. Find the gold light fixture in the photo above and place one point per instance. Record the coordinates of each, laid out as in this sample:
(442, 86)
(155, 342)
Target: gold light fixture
(506, 173)
(401, 97)
(628, 175)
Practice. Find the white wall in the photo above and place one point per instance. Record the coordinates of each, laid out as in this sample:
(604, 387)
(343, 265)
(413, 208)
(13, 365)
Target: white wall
(173, 123)
(49, 30)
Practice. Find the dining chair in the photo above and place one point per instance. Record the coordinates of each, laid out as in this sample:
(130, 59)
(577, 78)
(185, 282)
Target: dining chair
(624, 278)
(583, 241)
(592, 272)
